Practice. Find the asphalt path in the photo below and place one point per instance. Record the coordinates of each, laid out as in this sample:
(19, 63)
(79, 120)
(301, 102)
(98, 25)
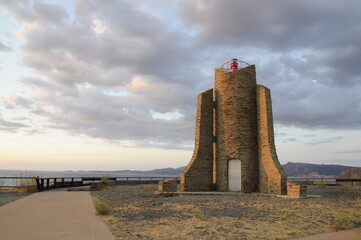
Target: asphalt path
(52, 215)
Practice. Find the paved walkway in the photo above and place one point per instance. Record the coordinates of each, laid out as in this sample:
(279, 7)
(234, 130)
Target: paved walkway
(352, 234)
(52, 215)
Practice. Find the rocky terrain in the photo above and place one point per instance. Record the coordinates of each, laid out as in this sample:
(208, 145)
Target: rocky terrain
(351, 173)
(139, 214)
(313, 170)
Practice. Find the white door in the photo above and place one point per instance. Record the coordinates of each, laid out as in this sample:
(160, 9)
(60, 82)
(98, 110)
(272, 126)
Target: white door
(234, 175)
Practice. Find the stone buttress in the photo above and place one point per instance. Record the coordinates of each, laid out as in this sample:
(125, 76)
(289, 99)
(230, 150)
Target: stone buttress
(198, 175)
(272, 177)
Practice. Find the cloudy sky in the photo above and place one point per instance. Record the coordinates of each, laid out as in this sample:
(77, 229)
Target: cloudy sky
(91, 84)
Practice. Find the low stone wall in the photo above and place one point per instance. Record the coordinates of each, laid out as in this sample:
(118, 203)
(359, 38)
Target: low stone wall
(295, 190)
(166, 186)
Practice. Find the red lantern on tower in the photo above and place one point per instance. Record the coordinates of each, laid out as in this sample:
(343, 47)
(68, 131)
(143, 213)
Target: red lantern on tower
(234, 65)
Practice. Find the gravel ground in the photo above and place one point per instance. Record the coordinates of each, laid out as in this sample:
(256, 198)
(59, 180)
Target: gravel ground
(6, 197)
(139, 214)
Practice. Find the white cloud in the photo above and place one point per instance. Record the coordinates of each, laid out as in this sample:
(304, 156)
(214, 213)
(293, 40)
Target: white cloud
(98, 27)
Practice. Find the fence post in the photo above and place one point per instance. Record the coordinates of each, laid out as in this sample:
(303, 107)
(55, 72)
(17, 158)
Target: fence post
(42, 184)
(47, 183)
(38, 183)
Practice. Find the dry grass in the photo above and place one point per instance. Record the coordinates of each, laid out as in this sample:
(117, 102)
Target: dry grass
(138, 214)
(26, 184)
(101, 205)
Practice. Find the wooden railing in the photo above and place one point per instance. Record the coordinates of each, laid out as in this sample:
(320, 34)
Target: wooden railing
(328, 181)
(352, 180)
(312, 180)
(63, 182)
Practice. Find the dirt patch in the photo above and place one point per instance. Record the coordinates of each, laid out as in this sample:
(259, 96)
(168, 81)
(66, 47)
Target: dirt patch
(138, 214)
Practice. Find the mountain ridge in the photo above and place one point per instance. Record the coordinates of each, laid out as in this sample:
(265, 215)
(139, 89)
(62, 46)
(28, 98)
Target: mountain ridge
(292, 170)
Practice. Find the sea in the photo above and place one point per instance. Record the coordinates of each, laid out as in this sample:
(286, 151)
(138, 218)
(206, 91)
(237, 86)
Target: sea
(67, 174)
(79, 174)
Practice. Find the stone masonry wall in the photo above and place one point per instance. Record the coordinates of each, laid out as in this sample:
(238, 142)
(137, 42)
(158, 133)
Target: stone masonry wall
(296, 191)
(198, 175)
(236, 126)
(165, 186)
(272, 177)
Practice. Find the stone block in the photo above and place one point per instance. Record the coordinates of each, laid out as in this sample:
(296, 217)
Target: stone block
(167, 186)
(296, 191)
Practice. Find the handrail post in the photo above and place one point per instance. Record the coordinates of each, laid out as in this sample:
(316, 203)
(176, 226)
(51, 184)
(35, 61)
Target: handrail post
(38, 183)
(42, 184)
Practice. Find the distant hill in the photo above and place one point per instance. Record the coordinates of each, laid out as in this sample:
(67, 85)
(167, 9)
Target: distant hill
(292, 170)
(162, 172)
(313, 170)
(351, 173)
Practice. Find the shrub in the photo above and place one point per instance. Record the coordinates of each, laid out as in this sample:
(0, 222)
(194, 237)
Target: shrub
(346, 187)
(342, 221)
(321, 185)
(26, 181)
(346, 190)
(2, 182)
(358, 201)
(201, 214)
(101, 205)
(105, 180)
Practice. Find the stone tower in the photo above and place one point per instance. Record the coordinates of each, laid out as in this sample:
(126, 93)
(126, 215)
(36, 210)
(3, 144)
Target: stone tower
(234, 143)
